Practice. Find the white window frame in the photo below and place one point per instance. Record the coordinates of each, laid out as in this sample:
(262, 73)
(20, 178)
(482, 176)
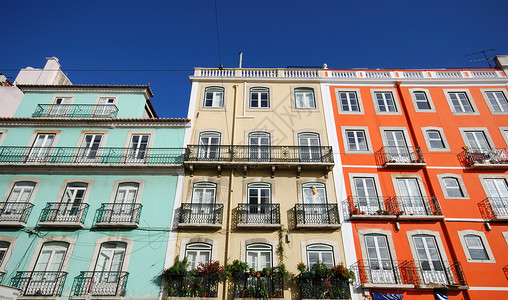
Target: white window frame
(311, 106)
(462, 236)
(63, 113)
(413, 92)
(199, 248)
(485, 131)
(215, 90)
(259, 90)
(325, 248)
(4, 249)
(489, 104)
(3, 133)
(101, 112)
(469, 97)
(504, 133)
(339, 91)
(259, 248)
(11, 243)
(80, 151)
(443, 139)
(396, 102)
(462, 186)
(368, 143)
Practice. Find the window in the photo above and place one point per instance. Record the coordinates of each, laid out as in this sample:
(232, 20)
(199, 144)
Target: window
(385, 102)
(356, 140)
(396, 146)
(429, 259)
(409, 196)
(197, 253)
(209, 142)
(16, 207)
(138, 148)
(366, 193)
(314, 194)
(124, 207)
(214, 97)
(60, 107)
(259, 97)
(497, 190)
(476, 247)
(105, 108)
(453, 187)
(47, 268)
(477, 141)
(4, 247)
(380, 262)
(435, 139)
(497, 101)
(259, 146)
(89, 148)
(108, 267)
(460, 102)
(309, 146)
(348, 101)
(259, 195)
(421, 100)
(21, 191)
(259, 256)
(322, 253)
(203, 200)
(41, 147)
(69, 207)
(304, 98)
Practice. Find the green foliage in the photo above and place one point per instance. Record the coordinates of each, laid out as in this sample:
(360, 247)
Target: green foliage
(179, 268)
(236, 267)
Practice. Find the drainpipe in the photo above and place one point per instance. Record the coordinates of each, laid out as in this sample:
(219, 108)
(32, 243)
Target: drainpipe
(426, 175)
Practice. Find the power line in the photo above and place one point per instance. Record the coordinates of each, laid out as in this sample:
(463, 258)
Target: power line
(103, 70)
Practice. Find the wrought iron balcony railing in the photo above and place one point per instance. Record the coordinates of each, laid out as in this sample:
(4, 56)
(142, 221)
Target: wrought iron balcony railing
(258, 214)
(417, 206)
(90, 155)
(14, 212)
(495, 158)
(191, 286)
(316, 287)
(259, 154)
(372, 272)
(441, 272)
(316, 214)
(2, 274)
(197, 213)
(99, 283)
(493, 208)
(39, 283)
(370, 206)
(118, 214)
(58, 212)
(247, 285)
(402, 157)
(75, 111)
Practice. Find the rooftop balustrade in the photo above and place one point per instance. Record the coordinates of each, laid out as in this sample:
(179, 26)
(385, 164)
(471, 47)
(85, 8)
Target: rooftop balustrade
(75, 111)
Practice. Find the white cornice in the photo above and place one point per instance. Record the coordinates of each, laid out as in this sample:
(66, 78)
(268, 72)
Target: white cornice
(91, 123)
(82, 89)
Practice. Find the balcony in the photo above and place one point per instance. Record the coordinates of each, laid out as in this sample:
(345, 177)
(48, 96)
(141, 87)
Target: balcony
(371, 208)
(57, 214)
(197, 215)
(77, 156)
(14, 213)
(267, 285)
(100, 284)
(313, 286)
(124, 215)
(189, 285)
(494, 208)
(76, 111)
(386, 273)
(401, 157)
(39, 283)
(318, 216)
(2, 274)
(487, 159)
(419, 207)
(258, 216)
(446, 274)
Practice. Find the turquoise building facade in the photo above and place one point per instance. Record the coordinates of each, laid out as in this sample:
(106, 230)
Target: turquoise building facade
(88, 180)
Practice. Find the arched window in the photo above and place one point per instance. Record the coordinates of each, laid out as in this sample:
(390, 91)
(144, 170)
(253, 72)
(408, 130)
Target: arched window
(198, 253)
(304, 98)
(259, 146)
(209, 142)
(259, 256)
(475, 247)
(309, 146)
(214, 97)
(259, 97)
(380, 262)
(429, 259)
(320, 252)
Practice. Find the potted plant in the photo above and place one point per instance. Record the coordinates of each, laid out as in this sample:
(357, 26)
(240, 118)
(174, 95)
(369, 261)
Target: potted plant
(301, 267)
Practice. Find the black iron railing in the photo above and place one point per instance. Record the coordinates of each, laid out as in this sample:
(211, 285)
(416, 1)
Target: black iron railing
(118, 213)
(313, 286)
(401, 155)
(441, 272)
(494, 156)
(90, 155)
(2, 275)
(417, 206)
(99, 283)
(370, 206)
(274, 154)
(385, 272)
(195, 213)
(75, 111)
(39, 283)
(494, 208)
(14, 211)
(258, 213)
(59, 212)
(247, 285)
(314, 214)
(190, 285)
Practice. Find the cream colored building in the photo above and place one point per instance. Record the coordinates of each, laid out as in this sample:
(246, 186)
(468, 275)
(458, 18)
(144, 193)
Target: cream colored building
(258, 184)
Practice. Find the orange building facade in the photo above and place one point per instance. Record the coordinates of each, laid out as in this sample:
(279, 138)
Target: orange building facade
(425, 174)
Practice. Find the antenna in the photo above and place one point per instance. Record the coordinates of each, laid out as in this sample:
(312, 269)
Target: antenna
(481, 59)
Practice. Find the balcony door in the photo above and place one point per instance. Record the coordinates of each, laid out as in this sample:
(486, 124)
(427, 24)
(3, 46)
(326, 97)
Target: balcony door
(45, 277)
(198, 253)
(89, 148)
(107, 269)
(367, 195)
(16, 205)
(259, 146)
(410, 197)
(209, 145)
(41, 147)
(498, 192)
(123, 208)
(259, 256)
(68, 209)
(477, 141)
(60, 107)
(137, 152)
(314, 200)
(430, 260)
(105, 108)
(203, 200)
(380, 263)
(397, 149)
(309, 147)
(259, 203)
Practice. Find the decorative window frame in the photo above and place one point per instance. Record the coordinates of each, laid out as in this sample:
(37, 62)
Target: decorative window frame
(485, 131)
(339, 103)
(352, 176)
(245, 243)
(12, 242)
(3, 133)
(382, 130)
(482, 178)
(217, 181)
(484, 94)
(247, 182)
(42, 241)
(334, 245)
(296, 134)
(505, 235)
(108, 239)
(365, 129)
(395, 100)
(101, 144)
(64, 184)
(429, 99)
(462, 186)
(248, 94)
(185, 242)
(265, 130)
(106, 96)
(469, 97)
(443, 138)
(215, 130)
(203, 96)
(37, 132)
(117, 184)
(369, 231)
(293, 98)
(130, 133)
(18, 179)
(462, 234)
(504, 133)
(418, 178)
(301, 182)
(63, 96)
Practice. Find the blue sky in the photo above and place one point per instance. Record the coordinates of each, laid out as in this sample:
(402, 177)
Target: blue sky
(181, 35)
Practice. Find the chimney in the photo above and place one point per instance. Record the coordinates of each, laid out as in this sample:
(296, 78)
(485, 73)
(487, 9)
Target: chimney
(502, 62)
(240, 60)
